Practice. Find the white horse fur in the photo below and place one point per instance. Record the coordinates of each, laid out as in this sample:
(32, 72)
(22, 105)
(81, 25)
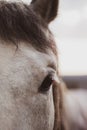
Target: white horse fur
(21, 72)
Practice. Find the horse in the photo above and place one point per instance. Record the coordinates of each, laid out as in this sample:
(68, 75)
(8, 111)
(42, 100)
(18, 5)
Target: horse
(30, 92)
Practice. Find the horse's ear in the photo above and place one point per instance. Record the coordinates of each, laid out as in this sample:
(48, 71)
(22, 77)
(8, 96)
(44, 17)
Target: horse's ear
(47, 9)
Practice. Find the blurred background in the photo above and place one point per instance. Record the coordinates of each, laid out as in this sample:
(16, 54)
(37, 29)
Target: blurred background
(70, 31)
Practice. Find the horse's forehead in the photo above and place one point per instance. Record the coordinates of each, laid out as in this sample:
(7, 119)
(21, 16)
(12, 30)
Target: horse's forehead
(37, 57)
(28, 54)
(25, 66)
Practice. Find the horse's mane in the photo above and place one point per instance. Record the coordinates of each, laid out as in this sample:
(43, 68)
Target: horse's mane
(18, 22)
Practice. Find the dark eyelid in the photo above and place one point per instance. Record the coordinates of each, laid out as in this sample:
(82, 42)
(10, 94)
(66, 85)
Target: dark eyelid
(46, 83)
(52, 65)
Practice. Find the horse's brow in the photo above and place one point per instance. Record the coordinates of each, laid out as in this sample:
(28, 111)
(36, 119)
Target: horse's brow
(52, 65)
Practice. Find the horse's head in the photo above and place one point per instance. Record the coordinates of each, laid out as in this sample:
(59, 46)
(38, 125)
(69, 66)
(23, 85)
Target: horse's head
(28, 65)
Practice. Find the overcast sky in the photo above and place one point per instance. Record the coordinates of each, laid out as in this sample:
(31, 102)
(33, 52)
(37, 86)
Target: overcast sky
(70, 30)
(72, 19)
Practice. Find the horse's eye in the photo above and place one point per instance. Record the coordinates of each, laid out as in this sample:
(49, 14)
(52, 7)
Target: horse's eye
(47, 82)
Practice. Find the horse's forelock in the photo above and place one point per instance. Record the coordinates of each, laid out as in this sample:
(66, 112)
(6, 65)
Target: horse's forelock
(18, 22)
